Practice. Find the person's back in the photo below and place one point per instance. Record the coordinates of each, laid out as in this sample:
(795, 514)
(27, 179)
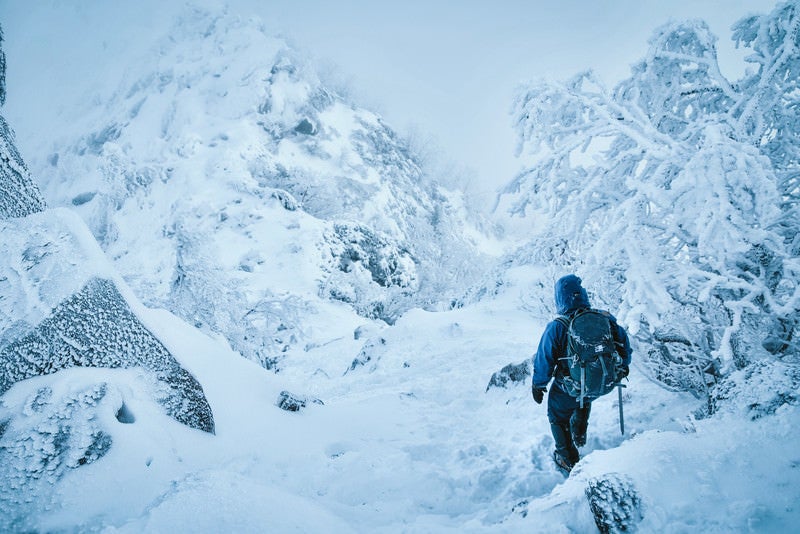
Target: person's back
(568, 416)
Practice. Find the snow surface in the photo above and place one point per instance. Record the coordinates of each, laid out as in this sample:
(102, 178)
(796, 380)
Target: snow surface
(413, 442)
(407, 438)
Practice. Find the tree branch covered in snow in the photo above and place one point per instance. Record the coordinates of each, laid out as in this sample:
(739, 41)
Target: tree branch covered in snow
(675, 195)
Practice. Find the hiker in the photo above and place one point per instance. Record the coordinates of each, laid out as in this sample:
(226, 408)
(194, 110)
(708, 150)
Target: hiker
(567, 408)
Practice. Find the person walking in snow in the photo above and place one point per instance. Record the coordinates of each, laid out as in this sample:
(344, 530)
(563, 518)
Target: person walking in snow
(568, 403)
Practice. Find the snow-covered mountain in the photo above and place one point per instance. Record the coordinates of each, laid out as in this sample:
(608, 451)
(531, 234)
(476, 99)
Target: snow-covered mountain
(385, 379)
(231, 187)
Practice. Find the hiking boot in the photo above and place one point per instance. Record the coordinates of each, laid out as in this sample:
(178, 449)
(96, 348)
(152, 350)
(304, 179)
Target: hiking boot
(578, 424)
(578, 438)
(562, 464)
(563, 440)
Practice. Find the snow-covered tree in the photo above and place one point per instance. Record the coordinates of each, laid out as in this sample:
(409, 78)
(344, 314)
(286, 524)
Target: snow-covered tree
(661, 197)
(768, 113)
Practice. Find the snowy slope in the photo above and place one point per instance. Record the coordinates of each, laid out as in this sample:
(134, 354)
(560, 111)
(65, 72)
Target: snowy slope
(414, 442)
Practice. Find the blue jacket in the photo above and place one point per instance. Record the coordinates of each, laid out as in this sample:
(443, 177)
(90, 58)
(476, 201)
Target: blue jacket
(570, 296)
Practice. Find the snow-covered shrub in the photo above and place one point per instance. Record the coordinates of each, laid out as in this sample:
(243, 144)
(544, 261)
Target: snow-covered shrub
(261, 325)
(40, 441)
(768, 111)
(659, 196)
(370, 271)
(269, 329)
(615, 503)
(759, 389)
(678, 364)
(388, 264)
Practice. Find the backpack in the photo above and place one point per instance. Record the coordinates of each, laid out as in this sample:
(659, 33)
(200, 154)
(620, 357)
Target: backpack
(590, 368)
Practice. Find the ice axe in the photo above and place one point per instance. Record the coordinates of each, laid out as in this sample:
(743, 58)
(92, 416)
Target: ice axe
(621, 416)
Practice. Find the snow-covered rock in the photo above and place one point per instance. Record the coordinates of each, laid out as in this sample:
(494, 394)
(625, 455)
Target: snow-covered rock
(62, 307)
(294, 403)
(615, 504)
(370, 353)
(510, 374)
(19, 194)
(49, 426)
(76, 361)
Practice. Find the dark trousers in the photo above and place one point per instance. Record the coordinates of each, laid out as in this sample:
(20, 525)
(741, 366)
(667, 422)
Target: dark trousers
(568, 422)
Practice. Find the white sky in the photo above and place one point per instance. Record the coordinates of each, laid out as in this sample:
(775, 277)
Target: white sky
(445, 70)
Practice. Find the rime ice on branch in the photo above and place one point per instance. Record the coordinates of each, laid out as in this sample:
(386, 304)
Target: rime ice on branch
(677, 193)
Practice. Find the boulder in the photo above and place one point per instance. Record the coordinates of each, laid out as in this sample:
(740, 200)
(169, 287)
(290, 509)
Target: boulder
(96, 328)
(511, 373)
(294, 403)
(615, 503)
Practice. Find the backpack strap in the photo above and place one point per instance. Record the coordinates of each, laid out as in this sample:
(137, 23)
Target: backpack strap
(561, 365)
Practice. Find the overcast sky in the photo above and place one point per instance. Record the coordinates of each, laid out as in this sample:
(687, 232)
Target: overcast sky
(446, 70)
(449, 69)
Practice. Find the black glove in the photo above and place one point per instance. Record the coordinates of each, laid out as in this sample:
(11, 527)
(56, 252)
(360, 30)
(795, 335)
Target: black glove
(538, 394)
(623, 371)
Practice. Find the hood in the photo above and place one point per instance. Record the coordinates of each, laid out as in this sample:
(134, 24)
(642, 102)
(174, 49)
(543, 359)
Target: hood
(570, 294)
